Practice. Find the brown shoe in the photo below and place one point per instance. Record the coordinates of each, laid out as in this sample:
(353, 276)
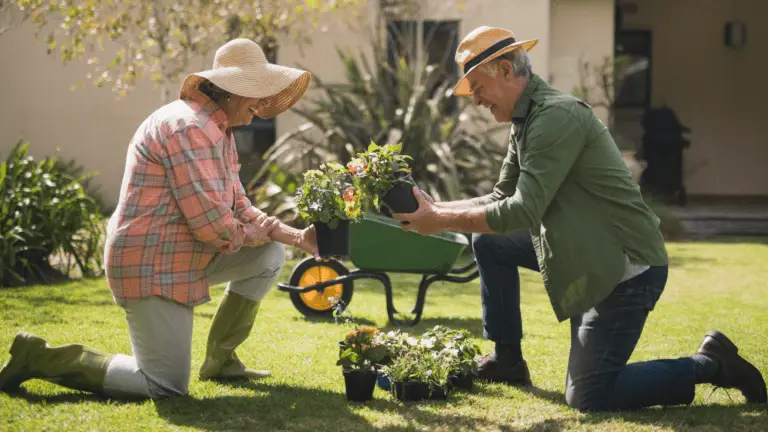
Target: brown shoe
(735, 372)
(492, 370)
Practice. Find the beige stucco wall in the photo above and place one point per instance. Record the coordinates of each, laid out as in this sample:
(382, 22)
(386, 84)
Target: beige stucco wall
(88, 125)
(582, 30)
(717, 91)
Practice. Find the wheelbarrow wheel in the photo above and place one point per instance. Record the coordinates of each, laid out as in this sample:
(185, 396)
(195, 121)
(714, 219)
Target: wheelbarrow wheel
(320, 303)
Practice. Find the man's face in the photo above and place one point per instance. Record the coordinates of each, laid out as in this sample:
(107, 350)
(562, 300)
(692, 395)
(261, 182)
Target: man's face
(498, 92)
(239, 110)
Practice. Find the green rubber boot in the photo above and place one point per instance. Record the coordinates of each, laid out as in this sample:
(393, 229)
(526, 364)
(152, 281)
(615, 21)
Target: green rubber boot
(231, 326)
(73, 366)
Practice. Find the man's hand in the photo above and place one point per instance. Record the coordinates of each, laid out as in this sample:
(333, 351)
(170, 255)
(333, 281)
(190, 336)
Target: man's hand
(427, 197)
(431, 218)
(425, 220)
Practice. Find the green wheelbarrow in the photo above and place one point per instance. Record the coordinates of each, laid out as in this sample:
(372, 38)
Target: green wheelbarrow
(377, 246)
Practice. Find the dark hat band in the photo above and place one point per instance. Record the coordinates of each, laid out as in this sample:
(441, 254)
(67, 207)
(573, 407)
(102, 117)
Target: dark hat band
(493, 49)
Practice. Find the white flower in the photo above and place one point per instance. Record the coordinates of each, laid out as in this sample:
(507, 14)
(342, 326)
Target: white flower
(412, 341)
(428, 342)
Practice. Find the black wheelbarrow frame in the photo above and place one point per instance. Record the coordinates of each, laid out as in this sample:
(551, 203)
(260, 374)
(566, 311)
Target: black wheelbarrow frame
(379, 246)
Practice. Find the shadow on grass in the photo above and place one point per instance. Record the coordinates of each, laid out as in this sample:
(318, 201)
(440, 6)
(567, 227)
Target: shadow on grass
(330, 320)
(747, 417)
(281, 407)
(682, 261)
(726, 239)
(58, 299)
(67, 397)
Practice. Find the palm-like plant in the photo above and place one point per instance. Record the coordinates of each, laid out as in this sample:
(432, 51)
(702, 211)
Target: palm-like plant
(392, 104)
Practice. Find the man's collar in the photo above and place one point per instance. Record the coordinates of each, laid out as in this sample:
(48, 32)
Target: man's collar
(523, 104)
(210, 107)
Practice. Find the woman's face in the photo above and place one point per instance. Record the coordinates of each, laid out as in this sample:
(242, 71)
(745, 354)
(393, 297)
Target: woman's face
(240, 110)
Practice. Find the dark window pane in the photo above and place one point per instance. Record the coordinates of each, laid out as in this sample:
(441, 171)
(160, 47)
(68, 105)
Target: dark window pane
(441, 39)
(633, 68)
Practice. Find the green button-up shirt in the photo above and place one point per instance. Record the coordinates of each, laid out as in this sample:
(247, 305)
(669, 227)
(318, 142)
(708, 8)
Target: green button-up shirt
(564, 180)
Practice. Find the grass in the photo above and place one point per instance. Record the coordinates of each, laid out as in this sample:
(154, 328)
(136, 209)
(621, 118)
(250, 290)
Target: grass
(712, 285)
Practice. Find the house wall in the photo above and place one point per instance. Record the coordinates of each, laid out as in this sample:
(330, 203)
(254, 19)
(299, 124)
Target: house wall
(581, 31)
(717, 91)
(89, 126)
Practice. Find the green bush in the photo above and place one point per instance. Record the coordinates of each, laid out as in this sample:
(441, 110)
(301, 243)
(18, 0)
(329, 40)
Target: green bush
(45, 211)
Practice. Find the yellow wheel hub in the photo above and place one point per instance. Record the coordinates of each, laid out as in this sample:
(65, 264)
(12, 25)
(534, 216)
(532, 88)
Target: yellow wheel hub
(320, 301)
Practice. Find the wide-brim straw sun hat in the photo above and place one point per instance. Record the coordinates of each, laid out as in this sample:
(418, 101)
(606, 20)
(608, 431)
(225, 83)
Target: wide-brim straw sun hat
(241, 68)
(482, 45)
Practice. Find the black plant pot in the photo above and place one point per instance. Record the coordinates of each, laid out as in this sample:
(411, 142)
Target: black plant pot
(462, 381)
(332, 242)
(416, 391)
(400, 197)
(359, 385)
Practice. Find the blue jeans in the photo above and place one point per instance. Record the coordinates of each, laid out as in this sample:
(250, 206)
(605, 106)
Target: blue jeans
(602, 339)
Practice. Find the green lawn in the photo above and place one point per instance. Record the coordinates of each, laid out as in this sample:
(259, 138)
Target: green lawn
(712, 285)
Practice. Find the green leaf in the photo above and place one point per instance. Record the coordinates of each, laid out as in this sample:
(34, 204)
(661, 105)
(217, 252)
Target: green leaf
(372, 147)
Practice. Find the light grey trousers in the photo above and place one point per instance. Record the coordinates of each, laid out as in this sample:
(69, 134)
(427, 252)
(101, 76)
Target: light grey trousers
(161, 329)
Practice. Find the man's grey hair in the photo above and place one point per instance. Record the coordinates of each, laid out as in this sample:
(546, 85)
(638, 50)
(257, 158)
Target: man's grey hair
(521, 64)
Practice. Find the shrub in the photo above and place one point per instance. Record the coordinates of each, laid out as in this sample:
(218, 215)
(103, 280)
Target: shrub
(45, 211)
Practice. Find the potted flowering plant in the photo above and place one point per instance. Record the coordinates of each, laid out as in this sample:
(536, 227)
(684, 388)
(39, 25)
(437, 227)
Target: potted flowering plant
(383, 173)
(419, 372)
(359, 356)
(459, 347)
(330, 199)
(396, 343)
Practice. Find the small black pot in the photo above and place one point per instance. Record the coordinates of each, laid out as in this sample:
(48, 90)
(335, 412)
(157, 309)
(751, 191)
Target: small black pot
(400, 197)
(416, 391)
(462, 381)
(332, 242)
(359, 385)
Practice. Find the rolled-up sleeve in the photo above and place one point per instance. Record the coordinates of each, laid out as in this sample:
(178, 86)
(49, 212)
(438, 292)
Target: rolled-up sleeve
(553, 141)
(196, 168)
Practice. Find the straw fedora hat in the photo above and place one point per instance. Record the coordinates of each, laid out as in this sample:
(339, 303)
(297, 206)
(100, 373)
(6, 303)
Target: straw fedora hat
(241, 68)
(482, 45)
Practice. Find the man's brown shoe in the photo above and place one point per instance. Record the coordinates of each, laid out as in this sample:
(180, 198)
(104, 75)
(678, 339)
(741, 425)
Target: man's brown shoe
(492, 370)
(735, 372)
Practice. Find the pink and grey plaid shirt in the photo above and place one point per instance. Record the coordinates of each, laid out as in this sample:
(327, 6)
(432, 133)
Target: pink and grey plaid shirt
(181, 202)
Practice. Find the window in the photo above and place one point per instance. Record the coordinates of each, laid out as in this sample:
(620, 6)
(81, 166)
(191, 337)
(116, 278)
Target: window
(426, 42)
(633, 68)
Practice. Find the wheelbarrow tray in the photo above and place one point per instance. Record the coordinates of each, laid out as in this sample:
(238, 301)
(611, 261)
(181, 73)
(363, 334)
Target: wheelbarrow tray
(378, 243)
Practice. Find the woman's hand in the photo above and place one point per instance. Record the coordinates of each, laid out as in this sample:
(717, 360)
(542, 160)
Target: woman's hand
(308, 240)
(260, 230)
(266, 224)
(305, 239)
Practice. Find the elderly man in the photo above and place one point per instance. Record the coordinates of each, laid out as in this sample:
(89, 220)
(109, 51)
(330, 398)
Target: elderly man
(565, 206)
(183, 223)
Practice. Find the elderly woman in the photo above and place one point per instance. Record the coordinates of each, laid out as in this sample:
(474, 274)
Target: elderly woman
(183, 223)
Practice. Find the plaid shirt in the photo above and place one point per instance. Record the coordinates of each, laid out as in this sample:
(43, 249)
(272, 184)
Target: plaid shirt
(181, 202)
